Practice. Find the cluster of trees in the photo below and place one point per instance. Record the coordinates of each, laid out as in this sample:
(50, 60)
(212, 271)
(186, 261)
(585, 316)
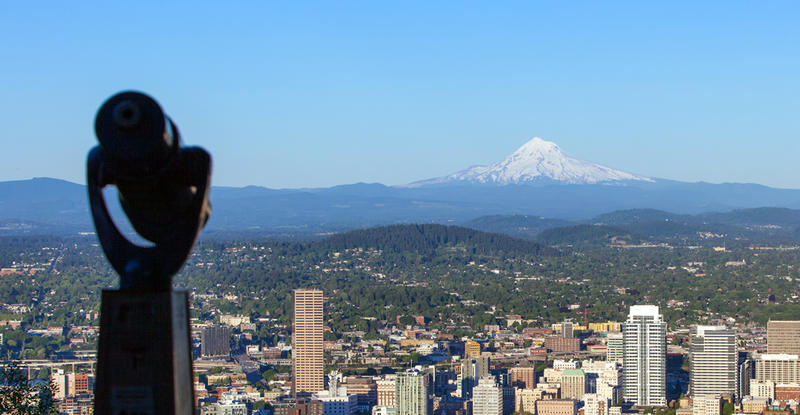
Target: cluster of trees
(425, 239)
(455, 277)
(20, 396)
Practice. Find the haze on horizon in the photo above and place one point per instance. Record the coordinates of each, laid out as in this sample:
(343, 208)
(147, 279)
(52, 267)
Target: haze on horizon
(287, 95)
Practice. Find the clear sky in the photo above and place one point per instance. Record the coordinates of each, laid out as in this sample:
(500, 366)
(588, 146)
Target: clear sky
(301, 94)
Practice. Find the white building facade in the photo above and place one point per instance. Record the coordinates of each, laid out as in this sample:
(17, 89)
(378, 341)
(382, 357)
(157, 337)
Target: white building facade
(487, 397)
(644, 357)
(714, 358)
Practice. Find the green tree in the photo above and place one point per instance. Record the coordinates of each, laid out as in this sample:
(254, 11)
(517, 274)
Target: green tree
(18, 396)
(727, 409)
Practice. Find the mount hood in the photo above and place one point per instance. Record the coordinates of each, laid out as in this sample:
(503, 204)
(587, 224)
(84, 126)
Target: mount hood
(537, 162)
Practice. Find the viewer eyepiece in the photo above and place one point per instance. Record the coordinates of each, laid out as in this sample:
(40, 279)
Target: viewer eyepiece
(135, 133)
(127, 114)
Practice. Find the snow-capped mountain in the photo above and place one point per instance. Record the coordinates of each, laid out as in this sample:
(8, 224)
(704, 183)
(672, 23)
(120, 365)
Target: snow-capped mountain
(537, 161)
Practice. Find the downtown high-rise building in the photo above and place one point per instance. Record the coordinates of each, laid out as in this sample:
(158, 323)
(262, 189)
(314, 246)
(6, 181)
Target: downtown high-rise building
(308, 365)
(644, 357)
(783, 337)
(414, 391)
(215, 341)
(386, 391)
(522, 377)
(573, 384)
(472, 349)
(778, 368)
(471, 371)
(714, 362)
(567, 329)
(614, 348)
(745, 372)
(487, 397)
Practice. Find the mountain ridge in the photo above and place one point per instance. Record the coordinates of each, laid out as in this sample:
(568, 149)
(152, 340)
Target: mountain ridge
(537, 180)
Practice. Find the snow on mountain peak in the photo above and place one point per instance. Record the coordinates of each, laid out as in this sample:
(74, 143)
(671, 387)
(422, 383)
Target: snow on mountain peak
(538, 160)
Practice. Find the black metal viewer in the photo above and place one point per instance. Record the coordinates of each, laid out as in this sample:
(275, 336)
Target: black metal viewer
(144, 353)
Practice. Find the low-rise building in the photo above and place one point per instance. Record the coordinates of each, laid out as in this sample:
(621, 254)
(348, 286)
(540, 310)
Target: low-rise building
(556, 407)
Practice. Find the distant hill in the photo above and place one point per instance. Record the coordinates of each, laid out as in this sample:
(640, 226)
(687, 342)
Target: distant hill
(427, 238)
(776, 225)
(49, 204)
(758, 216)
(587, 235)
(637, 216)
(757, 225)
(520, 226)
(752, 216)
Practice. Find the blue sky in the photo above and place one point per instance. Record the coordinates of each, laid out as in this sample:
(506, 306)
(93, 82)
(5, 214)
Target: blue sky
(300, 94)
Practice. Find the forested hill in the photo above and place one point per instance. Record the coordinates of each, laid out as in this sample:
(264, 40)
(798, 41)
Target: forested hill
(427, 238)
(518, 226)
(587, 235)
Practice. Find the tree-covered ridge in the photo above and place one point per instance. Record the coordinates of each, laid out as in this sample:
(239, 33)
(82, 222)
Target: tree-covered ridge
(619, 217)
(764, 225)
(587, 235)
(519, 226)
(426, 238)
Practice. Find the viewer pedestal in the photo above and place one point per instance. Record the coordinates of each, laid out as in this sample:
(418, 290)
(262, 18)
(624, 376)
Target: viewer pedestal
(144, 361)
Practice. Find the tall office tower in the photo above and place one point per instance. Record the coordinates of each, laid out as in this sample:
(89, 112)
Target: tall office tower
(487, 397)
(522, 377)
(471, 370)
(215, 341)
(567, 329)
(413, 393)
(713, 356)
(644, 371)
(783, 337)
(614, 351)
(308, 363)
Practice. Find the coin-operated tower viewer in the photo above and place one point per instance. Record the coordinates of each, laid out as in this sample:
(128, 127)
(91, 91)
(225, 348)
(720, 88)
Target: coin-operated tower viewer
(144, 363)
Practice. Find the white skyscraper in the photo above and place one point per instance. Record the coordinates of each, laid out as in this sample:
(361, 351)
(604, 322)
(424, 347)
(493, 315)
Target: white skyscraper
(713, 352)
(645, 357)
(414, 391)
(487, 397)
